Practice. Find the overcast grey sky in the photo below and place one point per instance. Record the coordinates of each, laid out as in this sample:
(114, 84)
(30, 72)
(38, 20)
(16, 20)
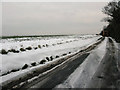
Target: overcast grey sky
(36, 18)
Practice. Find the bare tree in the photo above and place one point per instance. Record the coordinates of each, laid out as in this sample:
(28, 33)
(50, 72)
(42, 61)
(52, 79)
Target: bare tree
(113, 12)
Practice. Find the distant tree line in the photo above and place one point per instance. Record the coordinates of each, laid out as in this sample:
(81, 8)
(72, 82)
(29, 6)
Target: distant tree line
(8, 37)
(113, 19)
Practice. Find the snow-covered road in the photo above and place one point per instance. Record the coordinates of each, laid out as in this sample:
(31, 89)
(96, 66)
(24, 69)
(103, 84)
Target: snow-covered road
(99, 70)
(84, 66)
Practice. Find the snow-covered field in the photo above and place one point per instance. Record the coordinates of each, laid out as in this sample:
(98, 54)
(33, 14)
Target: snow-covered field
(39, 49)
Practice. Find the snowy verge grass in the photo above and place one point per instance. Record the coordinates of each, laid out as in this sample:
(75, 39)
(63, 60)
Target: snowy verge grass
(117, 53)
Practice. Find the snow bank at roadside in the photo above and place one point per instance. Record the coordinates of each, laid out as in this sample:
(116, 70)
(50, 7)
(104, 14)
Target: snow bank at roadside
(83, 74)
